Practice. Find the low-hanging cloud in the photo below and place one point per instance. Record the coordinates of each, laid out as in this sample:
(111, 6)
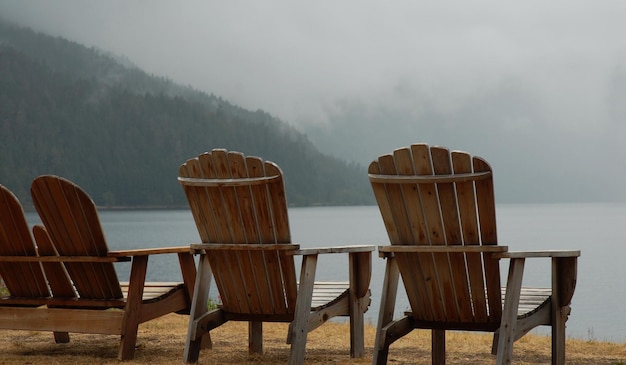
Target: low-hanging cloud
(545, 77)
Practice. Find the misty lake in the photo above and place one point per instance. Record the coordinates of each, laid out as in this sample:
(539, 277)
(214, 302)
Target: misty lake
(598, 230)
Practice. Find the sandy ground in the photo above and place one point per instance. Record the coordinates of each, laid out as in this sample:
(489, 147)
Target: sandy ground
(161, 342)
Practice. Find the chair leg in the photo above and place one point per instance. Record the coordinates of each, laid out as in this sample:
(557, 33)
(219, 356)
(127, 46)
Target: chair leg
(563, 284)
(438, 347)
(558, 337)
(299, 328)
(130, 324)
(255, 337)
(387, 307)
(357, 263)
(61, 337)
(494, 343)
(381, 356)
(199, 306)
(506, 335)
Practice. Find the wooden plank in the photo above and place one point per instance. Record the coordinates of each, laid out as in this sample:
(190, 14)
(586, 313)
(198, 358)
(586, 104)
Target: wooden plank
(416, 222)
(261, 228)
(333, 250)
(58, 279)
(538, 254)
(360, 270)
(245, 247)
(248, 261)
(386, 310)
(229, 207)
(270, 273)
(509, 313)
(234, 182)
(188, 272)
(458, 294)
(427, 179)
(211, 200)
(133, 310)
(400, 213)
(416, 271)
(288, 272)
(299, 328)
(411, 201)
(404, 225)
(221, 268)
(359, 273)
(488, 236)
(439, 281)
(64, 302)
(245, 201)
(200, 167)
(397, 213)
(21, 279)
(461, 163)
(278, 201)
(492, 250)
(198, 310)
(68, 259)
(150, 251)
(380, 193)
(191, 170)
(57, 319)
(152, 290)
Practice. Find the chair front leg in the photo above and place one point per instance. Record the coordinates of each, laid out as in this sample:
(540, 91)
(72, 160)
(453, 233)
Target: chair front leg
(360, 267)
(387, 307)
(199, 306)
(438, 349)
(255, 337)
(564, 272)
(188, 272)
(299, 328)
(506, 333)
(132, 311)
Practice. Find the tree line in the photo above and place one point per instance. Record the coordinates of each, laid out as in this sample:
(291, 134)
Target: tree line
(121, 134)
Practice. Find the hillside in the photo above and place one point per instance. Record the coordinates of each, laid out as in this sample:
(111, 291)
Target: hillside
(121, 134)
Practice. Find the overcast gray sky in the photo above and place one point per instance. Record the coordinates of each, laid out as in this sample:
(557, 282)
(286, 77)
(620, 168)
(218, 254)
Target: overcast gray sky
(491, 75)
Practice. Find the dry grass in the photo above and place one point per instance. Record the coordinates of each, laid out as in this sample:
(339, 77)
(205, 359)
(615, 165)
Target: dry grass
(161, 342)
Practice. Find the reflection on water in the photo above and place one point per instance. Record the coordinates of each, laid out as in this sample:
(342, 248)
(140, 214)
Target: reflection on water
(598, 230)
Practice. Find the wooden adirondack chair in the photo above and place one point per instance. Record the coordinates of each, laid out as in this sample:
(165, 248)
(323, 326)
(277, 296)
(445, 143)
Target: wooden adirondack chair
(240, 210)
(73, 260)
(25, 279)
(439, 211)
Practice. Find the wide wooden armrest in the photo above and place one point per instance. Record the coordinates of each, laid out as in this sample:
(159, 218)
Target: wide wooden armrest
(63, 259)
(389, 250)
(203, 247)
(149, 251)
(336, 249)
(359, 265)
(543, 253)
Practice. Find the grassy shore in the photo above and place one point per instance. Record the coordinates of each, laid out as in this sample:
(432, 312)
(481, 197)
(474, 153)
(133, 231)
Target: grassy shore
(161, 342)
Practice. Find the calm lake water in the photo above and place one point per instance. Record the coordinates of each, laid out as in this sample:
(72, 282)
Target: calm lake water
(598, 230)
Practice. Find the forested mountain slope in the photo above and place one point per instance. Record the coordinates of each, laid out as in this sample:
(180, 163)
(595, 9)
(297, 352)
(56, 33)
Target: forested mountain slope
(121, 134)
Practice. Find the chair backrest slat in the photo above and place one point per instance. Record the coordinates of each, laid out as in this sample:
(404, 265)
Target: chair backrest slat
(430, 196)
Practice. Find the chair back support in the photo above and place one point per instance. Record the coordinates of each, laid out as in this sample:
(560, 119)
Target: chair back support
(429, 196)
(239, 200)
(71, 220)
(22, 279)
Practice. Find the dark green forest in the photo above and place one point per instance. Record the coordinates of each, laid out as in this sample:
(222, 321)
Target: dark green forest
(94, 118)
